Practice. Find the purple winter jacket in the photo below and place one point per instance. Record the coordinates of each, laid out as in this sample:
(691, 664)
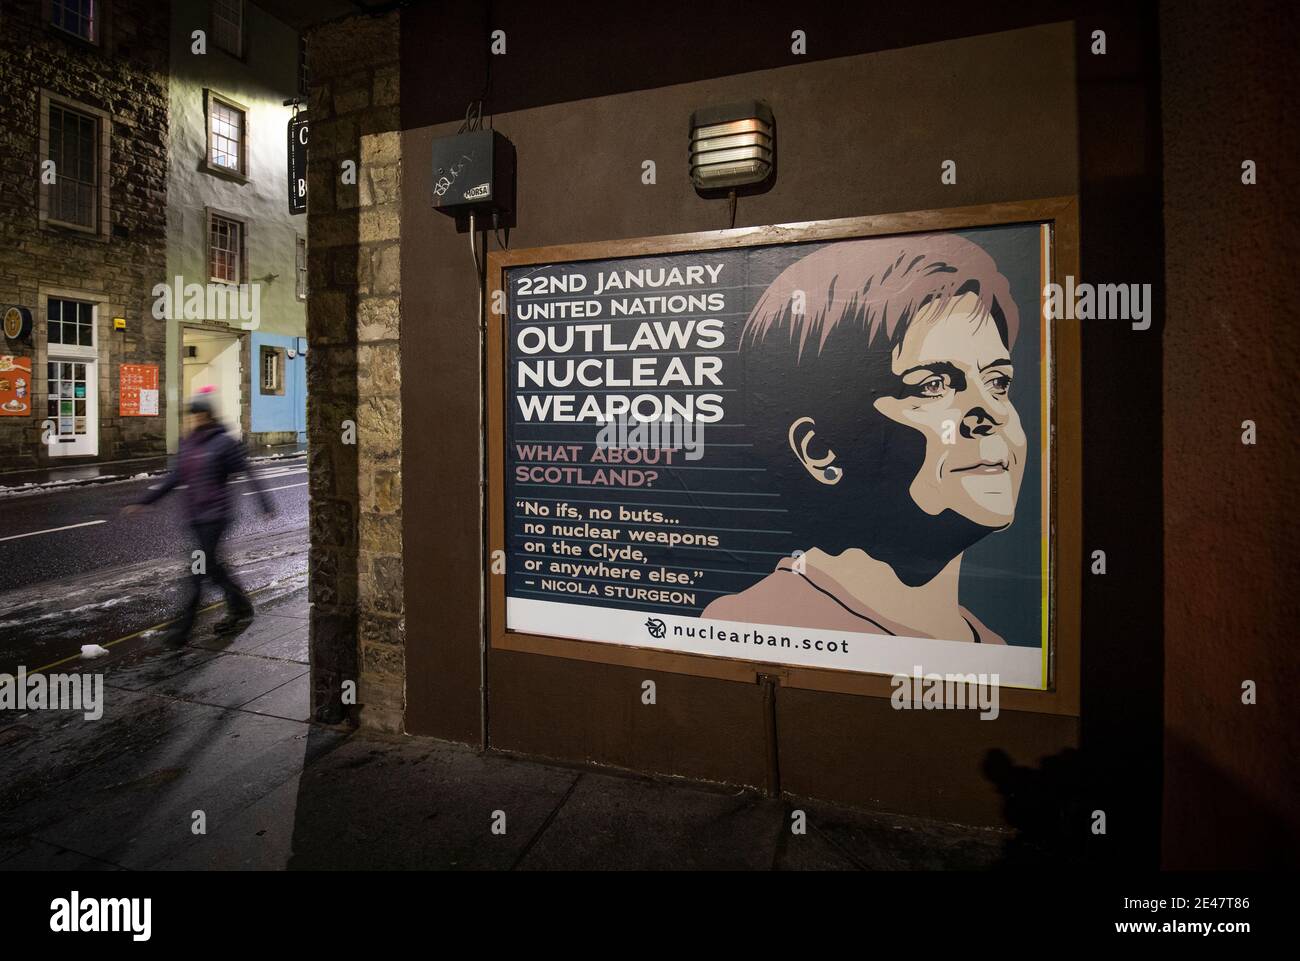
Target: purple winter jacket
(207, 459)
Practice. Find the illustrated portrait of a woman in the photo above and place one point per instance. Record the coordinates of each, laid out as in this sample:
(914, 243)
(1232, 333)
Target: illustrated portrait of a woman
(881, 398)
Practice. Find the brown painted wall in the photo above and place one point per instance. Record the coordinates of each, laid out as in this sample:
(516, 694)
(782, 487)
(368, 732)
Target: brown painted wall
(1230, 76)
(1218, 573)
(856, 135)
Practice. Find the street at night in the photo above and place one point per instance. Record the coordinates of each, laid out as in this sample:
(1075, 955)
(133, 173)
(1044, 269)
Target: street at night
(616, 438)
(78, 572)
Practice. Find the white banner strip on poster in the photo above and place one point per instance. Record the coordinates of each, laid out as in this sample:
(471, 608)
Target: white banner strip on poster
(841, 651)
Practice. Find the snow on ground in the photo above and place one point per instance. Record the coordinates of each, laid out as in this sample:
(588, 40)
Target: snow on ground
(43, 487)
(28, 619)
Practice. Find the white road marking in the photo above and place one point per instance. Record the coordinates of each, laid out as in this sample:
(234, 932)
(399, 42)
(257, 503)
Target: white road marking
(14, 537)
(288, 473)
(269, 489)
(267, 476)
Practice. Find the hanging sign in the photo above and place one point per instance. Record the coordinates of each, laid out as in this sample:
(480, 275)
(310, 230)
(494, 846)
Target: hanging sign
(298, 163)
(17, 322)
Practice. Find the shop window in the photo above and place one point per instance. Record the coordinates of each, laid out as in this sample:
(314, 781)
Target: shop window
(69, 323)
(69, 386)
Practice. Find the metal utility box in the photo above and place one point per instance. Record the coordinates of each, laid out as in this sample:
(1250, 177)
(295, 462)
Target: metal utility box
(474, 173)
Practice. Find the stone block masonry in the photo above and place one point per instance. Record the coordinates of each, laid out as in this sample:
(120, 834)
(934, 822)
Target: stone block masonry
(122, 80)
(354, 374)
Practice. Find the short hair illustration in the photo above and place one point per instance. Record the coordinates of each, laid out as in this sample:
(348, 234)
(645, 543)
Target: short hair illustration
(871, 290)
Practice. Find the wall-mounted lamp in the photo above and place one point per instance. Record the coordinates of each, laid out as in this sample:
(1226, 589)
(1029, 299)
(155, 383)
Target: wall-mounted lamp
(732, 145)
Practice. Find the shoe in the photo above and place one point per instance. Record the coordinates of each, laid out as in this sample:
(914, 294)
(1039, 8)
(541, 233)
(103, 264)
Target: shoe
(233, 621)
(174, 639)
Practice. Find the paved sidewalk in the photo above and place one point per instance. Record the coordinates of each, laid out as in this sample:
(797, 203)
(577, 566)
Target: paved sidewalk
(47, 478)
(221, 728)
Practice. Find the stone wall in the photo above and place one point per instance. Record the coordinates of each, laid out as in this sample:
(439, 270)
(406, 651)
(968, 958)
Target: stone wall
(354, 417)
(124, 76)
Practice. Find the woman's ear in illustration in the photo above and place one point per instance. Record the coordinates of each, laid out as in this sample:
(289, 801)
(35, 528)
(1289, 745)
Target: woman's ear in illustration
(817, 459)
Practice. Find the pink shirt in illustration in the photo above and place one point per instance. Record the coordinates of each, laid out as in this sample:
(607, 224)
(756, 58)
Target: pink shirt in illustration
(814, 600)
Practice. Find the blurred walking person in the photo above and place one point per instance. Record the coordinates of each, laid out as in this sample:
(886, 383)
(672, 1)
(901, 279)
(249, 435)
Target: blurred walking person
(209, 456)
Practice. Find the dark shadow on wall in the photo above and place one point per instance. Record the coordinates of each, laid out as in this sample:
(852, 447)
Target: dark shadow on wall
(551, 58)
(1122, 241)
(1228, 827)
(1229, 77)
(332, 475)
(332, 463)
(1045, 807)
(352, 65)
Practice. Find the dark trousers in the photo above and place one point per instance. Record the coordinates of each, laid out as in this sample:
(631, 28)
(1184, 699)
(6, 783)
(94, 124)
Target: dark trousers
(208, 534)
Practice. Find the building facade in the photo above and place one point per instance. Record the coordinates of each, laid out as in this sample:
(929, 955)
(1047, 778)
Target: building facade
(83, 171)
(236, 257)
(1066, 99)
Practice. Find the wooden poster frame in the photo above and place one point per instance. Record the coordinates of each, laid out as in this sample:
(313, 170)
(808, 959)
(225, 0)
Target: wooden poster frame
(1065, 562)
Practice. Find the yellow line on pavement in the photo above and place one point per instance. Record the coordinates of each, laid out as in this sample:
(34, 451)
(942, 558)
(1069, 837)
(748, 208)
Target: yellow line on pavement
(143, 630)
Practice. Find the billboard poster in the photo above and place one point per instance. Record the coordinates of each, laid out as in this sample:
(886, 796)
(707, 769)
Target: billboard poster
(15, 386)
(826, 454)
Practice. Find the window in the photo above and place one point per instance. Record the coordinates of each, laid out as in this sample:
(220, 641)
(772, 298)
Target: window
(226, 249)
(272, 370)
(227, 148)
(301, 259)
(77, 17)
(70, 323)
(74, 142)
(66, 387)
(228, 26)
(73, 176)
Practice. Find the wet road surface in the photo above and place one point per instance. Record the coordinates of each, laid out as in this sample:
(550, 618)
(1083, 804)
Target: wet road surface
(73, 571)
